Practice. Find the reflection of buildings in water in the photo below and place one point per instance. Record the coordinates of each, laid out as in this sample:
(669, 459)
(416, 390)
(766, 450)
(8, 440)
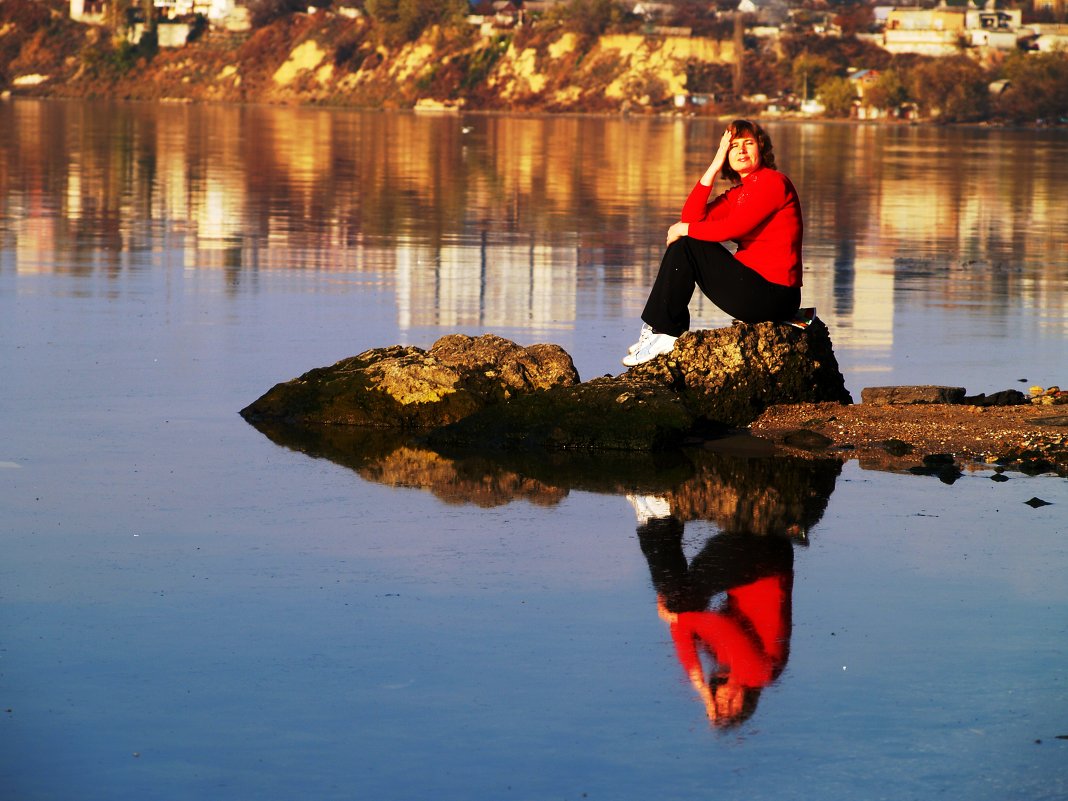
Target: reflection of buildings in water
(35, 244)
(507, 284)
(253, 189)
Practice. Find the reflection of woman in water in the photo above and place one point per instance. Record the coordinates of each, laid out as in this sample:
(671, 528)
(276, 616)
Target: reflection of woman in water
(731, 603)
(747, 635)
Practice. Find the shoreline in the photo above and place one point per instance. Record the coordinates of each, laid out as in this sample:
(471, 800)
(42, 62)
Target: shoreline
(1028, 438)
(9, 95)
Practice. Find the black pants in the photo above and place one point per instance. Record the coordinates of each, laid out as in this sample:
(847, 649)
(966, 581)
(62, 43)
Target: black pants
(726, 561)
(738, 290)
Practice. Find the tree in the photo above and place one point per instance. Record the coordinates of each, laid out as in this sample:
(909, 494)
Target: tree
(1038, 86)
(837, 95)
(264, 12)
(588, 17)
(809, 71)
(888, 92)
(404, 20)
(854, 17)
(953, 88)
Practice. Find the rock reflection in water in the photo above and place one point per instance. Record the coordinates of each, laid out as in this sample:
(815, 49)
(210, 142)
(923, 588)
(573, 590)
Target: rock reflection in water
(484, 478)
(729, 609)
(762, 506)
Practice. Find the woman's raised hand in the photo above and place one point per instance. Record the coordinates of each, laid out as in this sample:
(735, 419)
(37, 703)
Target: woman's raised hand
(719, 159)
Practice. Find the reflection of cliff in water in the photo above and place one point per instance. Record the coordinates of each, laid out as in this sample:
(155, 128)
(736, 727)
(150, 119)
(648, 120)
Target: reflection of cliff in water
(739, 492)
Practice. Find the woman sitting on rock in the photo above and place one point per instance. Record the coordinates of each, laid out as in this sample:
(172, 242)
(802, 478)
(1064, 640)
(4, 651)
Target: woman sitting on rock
(761, 212)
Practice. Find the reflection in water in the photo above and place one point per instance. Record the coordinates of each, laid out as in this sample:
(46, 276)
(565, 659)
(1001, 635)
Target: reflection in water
(748, 635)
(761, 507)
(534, 222)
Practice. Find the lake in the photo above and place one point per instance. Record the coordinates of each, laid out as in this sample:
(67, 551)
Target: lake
(191, 609)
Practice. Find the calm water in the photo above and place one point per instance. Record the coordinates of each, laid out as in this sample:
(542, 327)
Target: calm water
(191, 609)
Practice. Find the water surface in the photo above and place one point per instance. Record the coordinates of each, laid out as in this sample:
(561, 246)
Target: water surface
(192, 609)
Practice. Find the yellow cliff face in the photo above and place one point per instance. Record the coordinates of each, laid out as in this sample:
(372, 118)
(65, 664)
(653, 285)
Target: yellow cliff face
(327, 58)
(305, 57)
(625, 69)
(517, 74)
(657, 64)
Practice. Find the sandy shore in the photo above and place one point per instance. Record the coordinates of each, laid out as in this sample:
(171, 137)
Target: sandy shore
(1032, 438)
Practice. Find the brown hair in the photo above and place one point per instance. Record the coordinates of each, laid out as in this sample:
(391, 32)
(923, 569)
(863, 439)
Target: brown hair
(767, 154)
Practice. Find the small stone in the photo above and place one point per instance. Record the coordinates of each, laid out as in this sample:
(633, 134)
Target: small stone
(807, 440)
(897, 447)
(1035, 503)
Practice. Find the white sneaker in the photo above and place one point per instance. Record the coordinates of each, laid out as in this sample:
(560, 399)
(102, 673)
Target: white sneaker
(647, 331)
(649, 507)
(656, 345)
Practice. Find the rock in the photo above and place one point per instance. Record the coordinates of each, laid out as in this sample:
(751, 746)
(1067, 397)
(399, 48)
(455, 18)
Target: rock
(731, 375)
(1007, 397)
(880, 396)
(712, 381)
(409, 388)
(620, 413)
(491, 392)
(807, 440)
(896, 447)
(942, 465)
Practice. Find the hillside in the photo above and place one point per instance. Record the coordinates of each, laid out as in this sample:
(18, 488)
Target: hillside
(324, 58)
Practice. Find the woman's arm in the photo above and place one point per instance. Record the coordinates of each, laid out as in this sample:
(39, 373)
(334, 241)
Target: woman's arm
(696, 207)
(754, 203)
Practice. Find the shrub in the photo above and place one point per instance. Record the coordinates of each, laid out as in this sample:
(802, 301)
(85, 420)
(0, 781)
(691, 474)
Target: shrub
(404, 20)
(953, 88)
(888, 92)
(1038, 87)
(264, 12)
(837, 95)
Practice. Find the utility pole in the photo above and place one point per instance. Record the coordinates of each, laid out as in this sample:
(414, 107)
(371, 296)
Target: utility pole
(739, 55)
(148, 8)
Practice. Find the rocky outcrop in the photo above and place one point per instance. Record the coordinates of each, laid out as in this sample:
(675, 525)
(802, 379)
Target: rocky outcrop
(409, 388)
(490, 392)
(712, 381)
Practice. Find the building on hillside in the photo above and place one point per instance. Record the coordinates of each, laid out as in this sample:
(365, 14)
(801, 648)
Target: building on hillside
(536, 8)
(862, 80)
(230, 14)
(90, 12)
(767, 12)
(650, 10)
(945, 30)
(1049, 37)
(927, 31)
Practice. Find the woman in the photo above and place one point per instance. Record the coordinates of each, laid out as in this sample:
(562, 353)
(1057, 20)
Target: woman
(761, 281)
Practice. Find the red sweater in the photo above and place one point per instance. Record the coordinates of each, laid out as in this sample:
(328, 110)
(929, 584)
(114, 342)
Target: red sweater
(762, 214)
(749, 639)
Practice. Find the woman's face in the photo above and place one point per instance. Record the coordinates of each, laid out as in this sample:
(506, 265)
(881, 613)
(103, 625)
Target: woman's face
(744, 155)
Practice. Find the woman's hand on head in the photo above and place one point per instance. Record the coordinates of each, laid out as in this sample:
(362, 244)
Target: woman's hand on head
(719, 159)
